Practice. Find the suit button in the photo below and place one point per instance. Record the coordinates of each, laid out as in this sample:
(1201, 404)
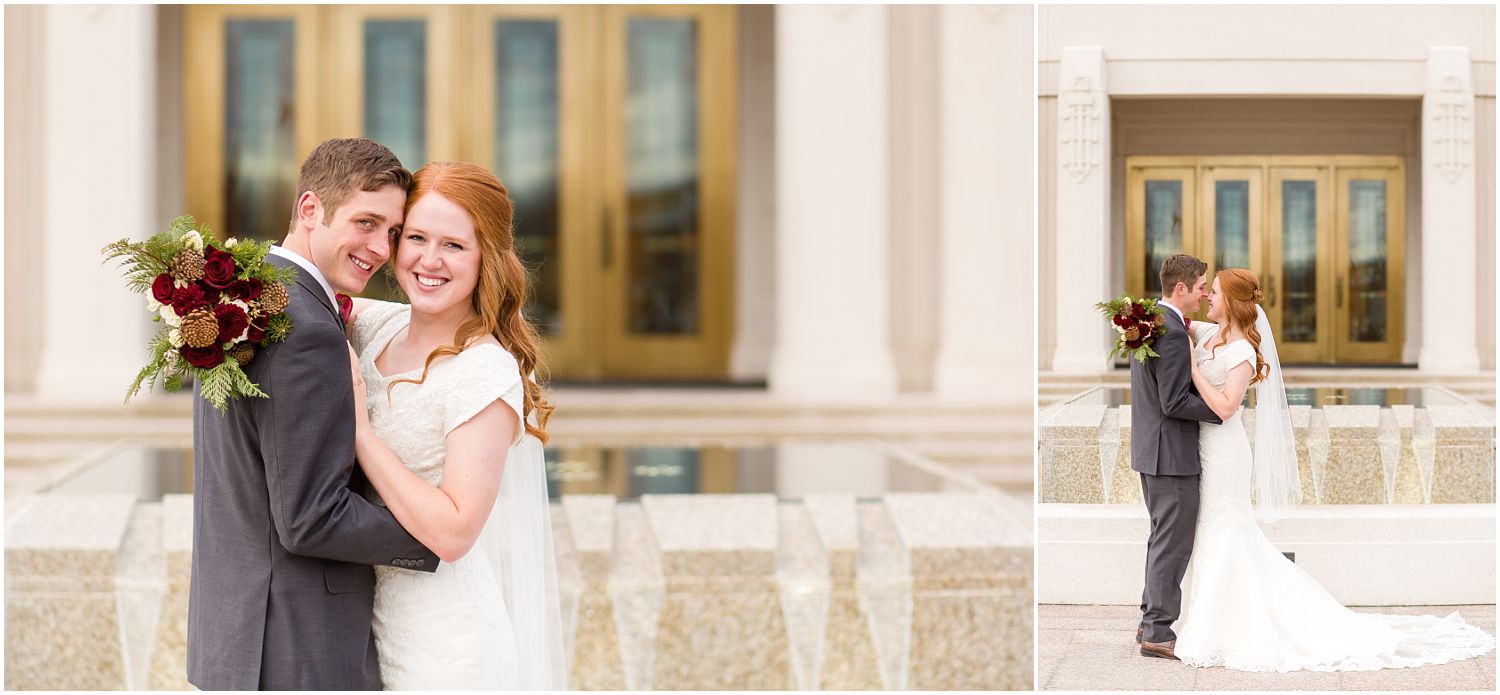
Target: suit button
(421, 562)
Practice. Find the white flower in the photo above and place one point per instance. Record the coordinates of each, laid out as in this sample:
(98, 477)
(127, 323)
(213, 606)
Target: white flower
(169, 315)
(194, 240)
(151, 304)
(1119, 329)
(231, 243)
(176, 337)
(244, 306)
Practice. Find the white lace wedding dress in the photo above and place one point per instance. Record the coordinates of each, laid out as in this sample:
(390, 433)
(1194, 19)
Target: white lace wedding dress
(447, 629)
(1247, 607)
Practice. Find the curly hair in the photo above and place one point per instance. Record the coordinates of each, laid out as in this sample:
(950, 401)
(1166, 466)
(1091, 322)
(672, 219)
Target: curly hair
(500, 293)
(1241, 292)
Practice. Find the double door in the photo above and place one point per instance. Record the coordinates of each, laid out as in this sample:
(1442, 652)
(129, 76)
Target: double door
(612, 127)
(1324, 234)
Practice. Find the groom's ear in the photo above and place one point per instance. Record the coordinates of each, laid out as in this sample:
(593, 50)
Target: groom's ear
(309, 210)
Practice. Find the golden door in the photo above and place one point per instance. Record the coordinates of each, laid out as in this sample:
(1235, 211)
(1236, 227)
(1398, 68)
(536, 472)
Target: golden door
(612, 127)
(1325, 235)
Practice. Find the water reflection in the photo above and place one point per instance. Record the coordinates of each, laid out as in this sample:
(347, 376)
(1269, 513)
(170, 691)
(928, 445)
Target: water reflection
(789, 470)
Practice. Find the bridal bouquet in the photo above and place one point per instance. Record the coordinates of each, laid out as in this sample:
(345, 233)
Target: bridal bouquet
(217, 305)
(1138, 321)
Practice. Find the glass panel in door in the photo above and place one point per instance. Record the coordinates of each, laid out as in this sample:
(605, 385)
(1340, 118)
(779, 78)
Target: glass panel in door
(260, 111)
(1158, 222)
(1231, 224)
(1366, 320)
(1299, 261)
(1164, 232)
(1298, 284)
(527, 137)
(669, 138)
(395, 87)
(1370, 258)
(1230, 236)
(663, 215)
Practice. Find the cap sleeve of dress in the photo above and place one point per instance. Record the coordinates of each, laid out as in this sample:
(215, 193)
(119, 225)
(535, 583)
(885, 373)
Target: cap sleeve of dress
(1243, 352)
(488, 374)
(372, 319)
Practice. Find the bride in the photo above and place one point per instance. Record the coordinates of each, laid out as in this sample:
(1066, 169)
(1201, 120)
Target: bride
(1247, 607)
(451, 441)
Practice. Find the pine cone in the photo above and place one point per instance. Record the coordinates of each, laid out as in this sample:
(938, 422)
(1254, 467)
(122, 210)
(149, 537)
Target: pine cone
(199, 328)
(1133, 333)
(243, 353)
(273, 299)
(187, 265)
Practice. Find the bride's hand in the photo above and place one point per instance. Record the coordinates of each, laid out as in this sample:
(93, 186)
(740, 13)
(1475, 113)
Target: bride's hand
(361, 415)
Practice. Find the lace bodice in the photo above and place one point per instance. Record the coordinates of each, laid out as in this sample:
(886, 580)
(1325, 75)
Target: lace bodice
(449, 629)
(1216, 363)
(416, 418)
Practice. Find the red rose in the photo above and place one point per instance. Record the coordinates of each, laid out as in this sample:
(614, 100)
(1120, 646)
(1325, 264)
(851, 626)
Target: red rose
(244, 290)
(206, 357)
(186, 299)
(1137, 311)
(211, 294)
(161, 289)
(1133, 344)
(232, 321)
(218, 268)
(1122, 321)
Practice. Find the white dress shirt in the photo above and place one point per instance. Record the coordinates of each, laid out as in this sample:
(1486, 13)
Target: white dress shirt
(1174, 309)
(310, 269)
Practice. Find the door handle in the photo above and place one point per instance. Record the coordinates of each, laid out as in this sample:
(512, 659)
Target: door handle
(1339, 293)
(607, 241)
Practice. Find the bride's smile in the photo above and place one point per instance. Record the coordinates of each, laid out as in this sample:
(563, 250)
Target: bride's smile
(437, 257)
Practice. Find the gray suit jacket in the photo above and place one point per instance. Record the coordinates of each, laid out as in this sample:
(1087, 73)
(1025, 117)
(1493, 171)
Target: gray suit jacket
(1165, 407)
(282, 586)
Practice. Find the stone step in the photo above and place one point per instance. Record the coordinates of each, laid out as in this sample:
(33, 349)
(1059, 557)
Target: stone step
(669, 592)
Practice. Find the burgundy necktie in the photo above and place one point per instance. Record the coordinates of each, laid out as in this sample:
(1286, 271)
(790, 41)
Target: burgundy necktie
(1187, 324)
(346, 307)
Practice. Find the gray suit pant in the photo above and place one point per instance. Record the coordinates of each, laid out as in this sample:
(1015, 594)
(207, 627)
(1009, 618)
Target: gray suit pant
(1172, 502)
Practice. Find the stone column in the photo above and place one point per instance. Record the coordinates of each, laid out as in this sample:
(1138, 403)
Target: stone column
(1449, 209)
(1083, 157)
(832, 183)
(987, 303)
(100, 165)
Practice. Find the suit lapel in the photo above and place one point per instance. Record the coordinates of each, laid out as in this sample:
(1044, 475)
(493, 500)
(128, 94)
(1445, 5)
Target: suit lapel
(308, 284)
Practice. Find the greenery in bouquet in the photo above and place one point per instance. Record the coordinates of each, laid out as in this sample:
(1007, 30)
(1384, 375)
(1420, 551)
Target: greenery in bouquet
(1137, 322)
(218, 305)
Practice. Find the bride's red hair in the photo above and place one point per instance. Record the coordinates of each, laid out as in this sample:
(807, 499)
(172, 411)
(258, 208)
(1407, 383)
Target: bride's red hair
(500, 292)
(1241, 292)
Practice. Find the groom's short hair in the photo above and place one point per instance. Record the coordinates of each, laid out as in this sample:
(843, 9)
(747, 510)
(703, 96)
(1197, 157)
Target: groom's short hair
(1180, 268)
(337, 168)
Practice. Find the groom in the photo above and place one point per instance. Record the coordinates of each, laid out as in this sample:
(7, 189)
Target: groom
(282, 589)
(1164, 418)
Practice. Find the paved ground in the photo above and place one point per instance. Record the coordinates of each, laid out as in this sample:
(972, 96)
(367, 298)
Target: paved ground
(1093, 648)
